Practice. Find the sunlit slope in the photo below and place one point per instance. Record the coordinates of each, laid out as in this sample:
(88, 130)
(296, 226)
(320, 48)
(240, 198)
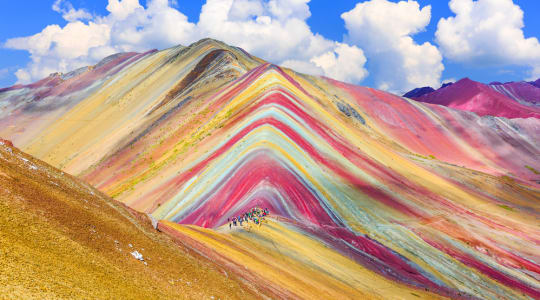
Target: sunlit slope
(290, 261)
(129, 103)
(62, 239)
(392, 196)
(273, 142)
(26, 110)
(350, 166)
(345, 122)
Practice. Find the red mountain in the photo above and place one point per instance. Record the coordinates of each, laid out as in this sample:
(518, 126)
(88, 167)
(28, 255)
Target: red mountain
(480, 98)
(523, 92)
(536, 83)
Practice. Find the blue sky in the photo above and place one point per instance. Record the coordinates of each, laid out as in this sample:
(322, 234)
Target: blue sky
(25, 18)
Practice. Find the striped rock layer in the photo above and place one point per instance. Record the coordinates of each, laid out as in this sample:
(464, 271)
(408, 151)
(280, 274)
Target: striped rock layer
(371, 195)
(526, 93)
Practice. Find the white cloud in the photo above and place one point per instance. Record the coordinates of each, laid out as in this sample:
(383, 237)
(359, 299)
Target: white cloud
(121, 9)
(488, 33)
(135, 28)
(344, 63)
(59, 49)
(301, 66)
(275, 30)
(383, 29)
(449, 80)
(69, 13)
(23, 75)
(127, 27)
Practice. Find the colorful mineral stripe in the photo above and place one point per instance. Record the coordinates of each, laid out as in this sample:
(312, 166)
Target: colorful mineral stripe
(371, 195)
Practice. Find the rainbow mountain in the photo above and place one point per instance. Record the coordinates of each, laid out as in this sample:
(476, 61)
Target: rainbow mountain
(371, 195)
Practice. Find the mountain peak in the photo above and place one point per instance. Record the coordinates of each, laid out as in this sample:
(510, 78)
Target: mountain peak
(466, 80)
(470, 95)
(210, 41)
(417, 92)
(446, 84)
(536, 83)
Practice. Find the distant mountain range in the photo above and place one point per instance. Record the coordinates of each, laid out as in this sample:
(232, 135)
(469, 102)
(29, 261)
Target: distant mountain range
(510, 100)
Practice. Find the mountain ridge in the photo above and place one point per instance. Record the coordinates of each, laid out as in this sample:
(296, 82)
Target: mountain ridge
(511, 100)
(61, 238)
(385, 194)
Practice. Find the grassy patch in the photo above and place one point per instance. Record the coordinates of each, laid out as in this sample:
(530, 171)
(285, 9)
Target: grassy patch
(506, 207)
(532, 170)
(507, 179)
(431, 156)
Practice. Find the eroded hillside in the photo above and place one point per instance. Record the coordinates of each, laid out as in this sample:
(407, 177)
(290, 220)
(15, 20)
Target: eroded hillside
(61, 238)
(371, 195)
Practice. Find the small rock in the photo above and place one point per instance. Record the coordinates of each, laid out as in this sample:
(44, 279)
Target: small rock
(137, 255)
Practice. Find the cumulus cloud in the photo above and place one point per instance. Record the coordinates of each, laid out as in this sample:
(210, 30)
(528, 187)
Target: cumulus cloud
(275, 30)
(128, 27)
(384, 30)
(449, 80)
(69, 13)
(269, 29)
(344, 63)
(59, 49)
(135, 28)
(488, 33)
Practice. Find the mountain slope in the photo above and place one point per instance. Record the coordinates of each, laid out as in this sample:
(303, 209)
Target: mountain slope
(523, 92)
(511, 100)
(417, 92)
(61, 238)
(126, 103)
(36, 105)
(371, 195)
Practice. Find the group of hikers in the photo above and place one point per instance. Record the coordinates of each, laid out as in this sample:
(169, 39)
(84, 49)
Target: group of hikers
(256, 214)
